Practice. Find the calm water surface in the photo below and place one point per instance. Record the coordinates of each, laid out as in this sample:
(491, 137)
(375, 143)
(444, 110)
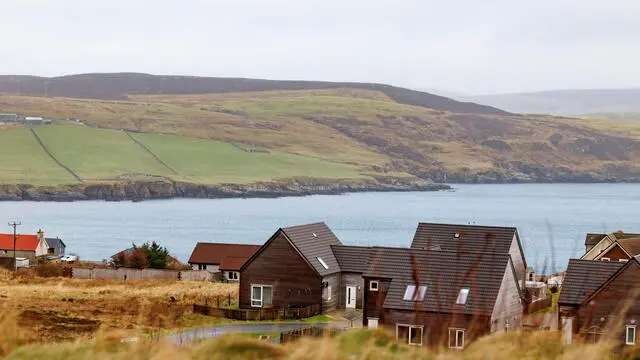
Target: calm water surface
(552, 218)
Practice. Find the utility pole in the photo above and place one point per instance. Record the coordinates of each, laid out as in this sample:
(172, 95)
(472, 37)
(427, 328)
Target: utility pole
(15, 238)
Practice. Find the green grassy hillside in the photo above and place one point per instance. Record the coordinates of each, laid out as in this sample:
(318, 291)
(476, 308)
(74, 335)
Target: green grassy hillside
(352, 131)
(103, 155)
(22, 161)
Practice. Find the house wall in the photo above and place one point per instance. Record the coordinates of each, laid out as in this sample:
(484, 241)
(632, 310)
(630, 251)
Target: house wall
(43, 248)
(374, 300)
(508, 309)
(209, 267)
(31, 255)
(437, 325)
(281, 266)
(519, 263)
(351, 279)
(334, 282)
(618, 304)
(614, 254)
(603, 244)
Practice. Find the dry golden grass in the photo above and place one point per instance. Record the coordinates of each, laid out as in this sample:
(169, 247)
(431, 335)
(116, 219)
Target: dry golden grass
(57, 309)
(357, 344)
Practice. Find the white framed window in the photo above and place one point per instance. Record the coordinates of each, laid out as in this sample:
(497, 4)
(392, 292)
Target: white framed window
(456, 338)
(413, 294)
(233, 275)
(462, 296)
(324, 264)
(630, 335)
(373, 285)
(261, 295)
(605, 259)
(623, 260)
(412, 334)
(328, 292)
(372, 323)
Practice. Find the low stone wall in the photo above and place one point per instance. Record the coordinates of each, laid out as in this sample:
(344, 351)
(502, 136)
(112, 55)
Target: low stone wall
(144, 274)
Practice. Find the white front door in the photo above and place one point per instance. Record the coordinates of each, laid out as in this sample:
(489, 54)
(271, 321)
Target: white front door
(351, 297)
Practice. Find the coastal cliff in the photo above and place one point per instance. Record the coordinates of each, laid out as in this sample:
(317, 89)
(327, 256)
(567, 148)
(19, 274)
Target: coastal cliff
(165, 189)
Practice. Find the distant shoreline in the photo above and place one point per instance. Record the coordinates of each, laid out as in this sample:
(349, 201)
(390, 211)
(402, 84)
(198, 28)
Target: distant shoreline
(166, 189)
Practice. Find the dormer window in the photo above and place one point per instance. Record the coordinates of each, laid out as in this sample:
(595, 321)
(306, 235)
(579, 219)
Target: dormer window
(456, 235)
(411, 294)
(324, 264)
(462, 296)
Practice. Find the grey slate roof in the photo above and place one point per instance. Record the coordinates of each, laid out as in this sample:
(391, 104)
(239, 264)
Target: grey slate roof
(55, 243)
(313, 241)
(352, 258)
(444, 273)
(584, 277)
(592, 239)
(472, 238)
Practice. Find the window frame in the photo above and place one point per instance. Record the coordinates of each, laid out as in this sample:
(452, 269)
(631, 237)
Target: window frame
(623, 260)
(605, 259)
(328, 292)
(324, 264)
(410, 328)
(456, 332)
(417, 294)
(626, 335)
(261, 300)
(465, 298)
(371, 282)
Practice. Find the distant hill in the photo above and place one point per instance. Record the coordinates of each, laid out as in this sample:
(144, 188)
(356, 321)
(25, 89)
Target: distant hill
(117, 86)
(564, 102)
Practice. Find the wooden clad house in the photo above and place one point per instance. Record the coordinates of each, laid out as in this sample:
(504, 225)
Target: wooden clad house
(296, 267)
(439, 297)
(601, 298)
(474, 238)
(616, 246)
(353, 262)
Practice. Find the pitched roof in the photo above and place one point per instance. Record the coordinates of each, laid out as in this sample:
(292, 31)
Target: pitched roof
(352, 258)
(23, 242)
(583, 277)
(314, 241)
(444, 273)
(214, 253)
(464, 238)
(631, 245)
(593, 239)
(232, 263)
(55, 243)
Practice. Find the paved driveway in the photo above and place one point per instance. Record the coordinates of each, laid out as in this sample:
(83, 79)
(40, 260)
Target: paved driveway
(213, 331)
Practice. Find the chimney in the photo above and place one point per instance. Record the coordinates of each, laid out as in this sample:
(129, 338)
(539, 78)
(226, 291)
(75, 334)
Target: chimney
(40, 235)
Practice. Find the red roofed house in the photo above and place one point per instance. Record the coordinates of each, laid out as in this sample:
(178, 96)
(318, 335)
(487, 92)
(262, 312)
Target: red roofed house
(27, 246)
(226, 258)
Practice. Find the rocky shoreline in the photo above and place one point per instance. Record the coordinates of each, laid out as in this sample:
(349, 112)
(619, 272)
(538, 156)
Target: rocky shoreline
(167, 189)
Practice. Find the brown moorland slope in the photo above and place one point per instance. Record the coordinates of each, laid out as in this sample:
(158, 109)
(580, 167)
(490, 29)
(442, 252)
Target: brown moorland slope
(117, 86)
(369, 129)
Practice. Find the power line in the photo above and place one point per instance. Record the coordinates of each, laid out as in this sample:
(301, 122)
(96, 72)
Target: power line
(15, 238)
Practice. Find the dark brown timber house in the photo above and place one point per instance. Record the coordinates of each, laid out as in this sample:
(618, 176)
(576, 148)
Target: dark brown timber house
(455, 283)
(601, 298)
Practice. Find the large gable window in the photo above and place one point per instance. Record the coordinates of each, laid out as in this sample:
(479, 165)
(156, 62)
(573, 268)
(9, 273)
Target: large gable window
(462, 296)
(324, 264)
(261, 295)
(412, 293)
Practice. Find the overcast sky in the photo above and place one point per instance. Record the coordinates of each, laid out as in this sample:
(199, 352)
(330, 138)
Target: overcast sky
(466, 46)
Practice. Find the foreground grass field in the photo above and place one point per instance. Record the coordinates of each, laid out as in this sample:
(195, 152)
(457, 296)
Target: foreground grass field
(351, 345)
(61, 309)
